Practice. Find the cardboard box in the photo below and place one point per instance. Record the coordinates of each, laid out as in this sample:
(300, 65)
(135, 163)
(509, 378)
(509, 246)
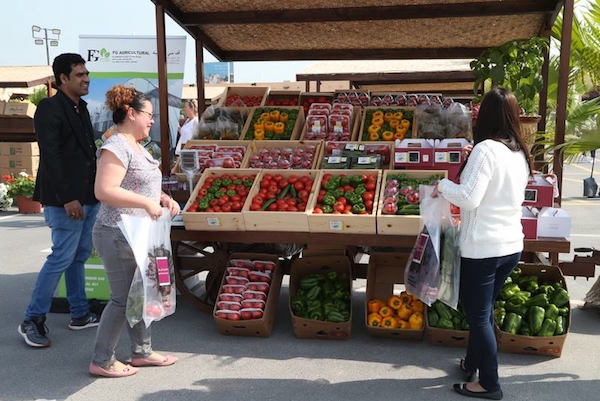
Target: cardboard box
(548, 346)
(297, 125)
(23, 109)
(279, 221)
(21, 163)
(256, 327)
(308, 328)
(539, 192)
(529, 222)
(96, 282)
(345, 223)
(413, 154)
(449, 156)
(19, 149)
(215, 221)
(261, 91)
(391, 224)
(384, 272)
(553, 223)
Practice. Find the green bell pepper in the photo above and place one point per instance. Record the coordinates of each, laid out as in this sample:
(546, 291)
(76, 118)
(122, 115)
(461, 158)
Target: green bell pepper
(508, 290)
(358, 208)
(360, 190)
(524, 329)
(345, 180)
(499, 315)
(519, 298)
(548, 328)
(512, 321)
(535, 316)
(444, 323)
(564, 311)
(355, 180)
(433, 317)
(499, 304)
(518, 309)
(516, 273)
(560, 297)
(328, 200)
(538, 300)
(545, 289)
(443, 310)
(561, 326)
(327, 209)
(551, 312)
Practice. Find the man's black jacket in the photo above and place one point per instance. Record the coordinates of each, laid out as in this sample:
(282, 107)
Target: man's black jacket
(67, 152)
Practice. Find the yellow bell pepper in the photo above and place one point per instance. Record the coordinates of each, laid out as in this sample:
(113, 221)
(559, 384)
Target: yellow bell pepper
(401, 324)
(405, 311)
(387, 136)
(377, 121)
(259, 125)
(389, 322)
(264, 116)
(374, 319)
(388, 116)
(259, 134)
(378, 114)
(405, 123)
(399, 135)
(283, 117)
(386, 311)
(394, 302)
(374, 128)
(279, 128)
(417, 306)
(401, 131)
(274, 115)
(398, 115)
(374, 136)
(415, 321)
(394, 123)
(269, 126)
(374, 305)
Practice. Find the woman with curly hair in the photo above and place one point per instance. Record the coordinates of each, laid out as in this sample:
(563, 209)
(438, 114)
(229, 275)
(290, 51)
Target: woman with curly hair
(128, 181)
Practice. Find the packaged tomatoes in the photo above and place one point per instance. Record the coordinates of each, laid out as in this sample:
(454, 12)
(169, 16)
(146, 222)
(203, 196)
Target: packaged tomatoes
(234, 288)
(230, 297)
(260, 277)
(253, 303)
(250, 294)
(258, 286)
(229, 305)
(248, 264)
(238, 271)
(251, 313)
(228, 314)
(236, 280)
(264, 266)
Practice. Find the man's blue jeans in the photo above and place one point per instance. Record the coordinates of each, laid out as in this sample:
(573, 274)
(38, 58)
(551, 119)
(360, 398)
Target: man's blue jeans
(71, 246)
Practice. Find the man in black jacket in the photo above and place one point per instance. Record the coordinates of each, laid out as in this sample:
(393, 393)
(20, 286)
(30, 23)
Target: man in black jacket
(65, 186)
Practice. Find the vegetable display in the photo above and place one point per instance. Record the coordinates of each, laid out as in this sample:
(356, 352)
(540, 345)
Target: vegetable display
(330, 123)
(214, 155)
(322, 296)
(300, 157)
(399, 312)
(280, 194)
(346, 194)
(226, 193)
(272, 123)
(401, 194)
(531, 308)
(388, 124)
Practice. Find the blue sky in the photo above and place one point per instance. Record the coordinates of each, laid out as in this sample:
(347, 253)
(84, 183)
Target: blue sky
(107, 17)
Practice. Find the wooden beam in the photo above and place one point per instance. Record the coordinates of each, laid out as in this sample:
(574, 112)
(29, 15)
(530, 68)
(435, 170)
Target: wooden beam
(543, 111)
(395, 77)
(563, 83)
(380, 13)
(163, 101)
(354, 54)
(200, 77)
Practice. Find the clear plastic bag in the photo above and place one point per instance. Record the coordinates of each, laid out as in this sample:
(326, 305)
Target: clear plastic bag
(431, 123)
(422, 273)
(450, 261)
(458, 122)
(152, 292)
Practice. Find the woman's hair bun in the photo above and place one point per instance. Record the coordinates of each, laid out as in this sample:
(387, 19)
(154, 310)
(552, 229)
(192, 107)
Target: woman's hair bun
(119, 96)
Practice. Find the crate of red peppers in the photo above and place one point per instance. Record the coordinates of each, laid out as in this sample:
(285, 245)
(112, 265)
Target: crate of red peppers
(248, 295)
(345, 202)
(244, 96)
(398, 210)
(283, 98)
(218, 199)
(279, 200)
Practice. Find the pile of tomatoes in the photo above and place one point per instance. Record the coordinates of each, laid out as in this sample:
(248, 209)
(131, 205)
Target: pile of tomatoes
(282, 194)
(243, 101)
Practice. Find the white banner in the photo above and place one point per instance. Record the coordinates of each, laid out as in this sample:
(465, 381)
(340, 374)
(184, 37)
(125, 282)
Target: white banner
(132, 60)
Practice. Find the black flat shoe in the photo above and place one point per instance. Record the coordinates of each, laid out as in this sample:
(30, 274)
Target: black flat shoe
(467, 375)
(461, 388)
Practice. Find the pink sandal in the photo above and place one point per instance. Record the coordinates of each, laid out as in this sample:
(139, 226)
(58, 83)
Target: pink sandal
(111, 371)
(166, 361)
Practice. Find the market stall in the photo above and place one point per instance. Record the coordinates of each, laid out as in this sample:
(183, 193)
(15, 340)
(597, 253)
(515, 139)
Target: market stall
(244, 31)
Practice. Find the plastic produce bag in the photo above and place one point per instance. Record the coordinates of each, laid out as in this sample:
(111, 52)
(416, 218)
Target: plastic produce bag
(458, 122)
(152, 292)
(422, 273)
(450, 261)
(431, 123)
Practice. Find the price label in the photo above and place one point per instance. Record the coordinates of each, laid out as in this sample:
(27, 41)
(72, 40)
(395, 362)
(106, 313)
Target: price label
(213, 221)
(365, 160)
(336, 225)
(334, 159)
(351, 146)
(441, 157)
(338, 129)
(400, 157)
(425, 158)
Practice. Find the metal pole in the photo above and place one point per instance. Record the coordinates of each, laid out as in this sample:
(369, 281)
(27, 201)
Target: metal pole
(47, 50)
(563, 82)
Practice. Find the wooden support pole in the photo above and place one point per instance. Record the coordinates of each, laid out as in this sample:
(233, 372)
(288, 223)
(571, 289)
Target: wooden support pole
(563, 82)
(200, 76)
(543, 110)
(163, 100)
(307, 86)
(318, 86)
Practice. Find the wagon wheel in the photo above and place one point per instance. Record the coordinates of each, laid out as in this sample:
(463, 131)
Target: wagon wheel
(199, 269)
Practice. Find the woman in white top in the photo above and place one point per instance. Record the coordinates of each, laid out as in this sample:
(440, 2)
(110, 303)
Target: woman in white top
(190, 126)
(490, 193)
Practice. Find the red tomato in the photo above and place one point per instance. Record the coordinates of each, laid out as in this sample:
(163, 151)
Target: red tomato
(272, 207)
(226, 207)
(292, 179)
(369, 205)
(210, 210)
(258, 199)
(343, 200)
(318, 210)
(273, 188)
(301, 206)
(236, 198)
(271, 195)
(278, 177)
(370, 186)
(368, 196)
(202, 192)
(236, 206)
(292, 209)
(299, 185)
(348, 208)
(217, 209)
(348, 188)
(255, 206)
(303, 195)
(283, 183)
(339, 207)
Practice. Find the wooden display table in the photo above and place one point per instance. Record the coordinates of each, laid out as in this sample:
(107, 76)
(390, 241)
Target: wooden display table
(200, 257)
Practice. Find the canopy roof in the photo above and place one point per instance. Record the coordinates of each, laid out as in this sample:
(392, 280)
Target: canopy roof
(238, 30)
(25, 76)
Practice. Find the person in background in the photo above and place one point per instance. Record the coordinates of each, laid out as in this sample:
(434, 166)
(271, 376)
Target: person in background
(190, 126)
(65, 186)
(128, 181)
(490, 193)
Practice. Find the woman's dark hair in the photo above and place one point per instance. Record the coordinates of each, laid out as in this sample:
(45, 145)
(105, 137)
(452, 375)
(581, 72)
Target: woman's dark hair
(119, 98)
(499, 120)
(63, 64)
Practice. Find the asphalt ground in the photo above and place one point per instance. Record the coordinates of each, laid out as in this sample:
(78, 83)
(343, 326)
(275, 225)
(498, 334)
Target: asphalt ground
(214, 367)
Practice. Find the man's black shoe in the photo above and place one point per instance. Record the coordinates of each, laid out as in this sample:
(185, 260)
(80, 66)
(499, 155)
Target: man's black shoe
(91, 320)
(34, 332)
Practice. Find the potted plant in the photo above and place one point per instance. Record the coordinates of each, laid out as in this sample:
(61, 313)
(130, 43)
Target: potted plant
(21, 187)
(517, 66)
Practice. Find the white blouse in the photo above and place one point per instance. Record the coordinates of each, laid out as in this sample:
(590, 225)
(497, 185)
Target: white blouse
(187, 132)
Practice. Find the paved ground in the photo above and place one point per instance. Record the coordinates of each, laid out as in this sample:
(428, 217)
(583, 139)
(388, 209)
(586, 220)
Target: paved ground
(218, 368)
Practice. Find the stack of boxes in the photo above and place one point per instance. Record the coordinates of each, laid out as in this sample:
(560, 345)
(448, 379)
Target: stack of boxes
(16, 157)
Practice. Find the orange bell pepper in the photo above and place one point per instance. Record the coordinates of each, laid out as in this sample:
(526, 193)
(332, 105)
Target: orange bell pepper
(398, 135)
(374, 319)
(406, 297)
(394, 123)
(269, 126)
(415, 321)
(401, 324)
(378, 114)
(398, 115)
(405, 123)
(264, 116)
(374, 136)
(377, 121)
(374, 305)
(388, 116)
(394, 302)
(259, 125)
(386, 311)
(405, 311)
(283, 117)
(279, 128)
(389, 322)
(374, 128)
(259, 134)
(274, 115)
(387, 136)
(417, 306)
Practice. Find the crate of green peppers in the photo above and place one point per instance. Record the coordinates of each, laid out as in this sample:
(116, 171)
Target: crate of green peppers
(532, 311)
(446, 326)
(321, 297)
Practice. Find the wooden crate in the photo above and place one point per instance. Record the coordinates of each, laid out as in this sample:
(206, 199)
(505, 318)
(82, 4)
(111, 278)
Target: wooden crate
(338, 92)
(244, 91)
(279, 221)
(361, 133)
(356, 145)
(385, 270)
(392, 224)
(344, 223)
(180, 175)
(308, 328)
(221, 221)
(304, 96)
(256, 146)
(285, 94)
(297, 126)
(356, 123)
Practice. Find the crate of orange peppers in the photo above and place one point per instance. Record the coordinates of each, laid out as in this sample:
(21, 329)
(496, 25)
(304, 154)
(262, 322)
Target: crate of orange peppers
(390, 311)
